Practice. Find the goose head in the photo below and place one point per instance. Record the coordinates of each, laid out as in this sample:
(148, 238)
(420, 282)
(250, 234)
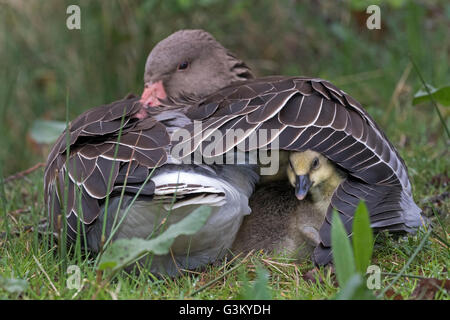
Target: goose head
(309, 171)
(189, 64)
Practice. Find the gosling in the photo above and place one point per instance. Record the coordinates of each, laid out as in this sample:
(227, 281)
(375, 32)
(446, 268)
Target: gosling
(285, 221)
(311, 173)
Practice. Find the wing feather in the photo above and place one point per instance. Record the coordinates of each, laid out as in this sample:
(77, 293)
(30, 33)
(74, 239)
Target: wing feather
(304, 113)
(314, 114)
(102, 144)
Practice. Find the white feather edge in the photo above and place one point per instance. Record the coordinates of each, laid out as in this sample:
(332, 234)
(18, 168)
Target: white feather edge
(211, 191)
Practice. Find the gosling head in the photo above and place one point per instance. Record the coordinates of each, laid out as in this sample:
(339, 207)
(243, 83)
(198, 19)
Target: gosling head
(308, 170)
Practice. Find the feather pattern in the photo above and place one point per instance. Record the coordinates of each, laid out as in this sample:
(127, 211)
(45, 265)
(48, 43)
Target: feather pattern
(308, 113)
(104, 145)
(314, 114)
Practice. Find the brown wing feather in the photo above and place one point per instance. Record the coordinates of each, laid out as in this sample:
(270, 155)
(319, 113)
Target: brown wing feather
(97, 156)
(314, 114)
(308, 113)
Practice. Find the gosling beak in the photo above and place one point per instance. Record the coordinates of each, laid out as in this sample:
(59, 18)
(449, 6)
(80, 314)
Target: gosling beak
(302, 185)
(153, 91)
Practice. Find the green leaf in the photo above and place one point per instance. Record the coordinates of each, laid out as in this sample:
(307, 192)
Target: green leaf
(343, 259)
(355, 289)
(440, 95)
(45, 131)
(124, 251)
(362, 238)
(260, 289)
(13, 285)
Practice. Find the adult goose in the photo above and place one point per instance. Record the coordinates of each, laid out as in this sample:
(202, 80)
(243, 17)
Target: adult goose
(113, 149)
(190, 77)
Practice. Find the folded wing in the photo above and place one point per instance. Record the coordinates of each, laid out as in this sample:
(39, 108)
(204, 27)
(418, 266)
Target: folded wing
(294, 113)
(102, 152)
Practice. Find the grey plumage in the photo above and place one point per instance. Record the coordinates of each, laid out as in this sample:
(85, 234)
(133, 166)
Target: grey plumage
(309, 113)
(310, 116)
(225, 189)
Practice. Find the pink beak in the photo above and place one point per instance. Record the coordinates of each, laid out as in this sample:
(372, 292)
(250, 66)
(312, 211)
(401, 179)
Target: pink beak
(152, 93)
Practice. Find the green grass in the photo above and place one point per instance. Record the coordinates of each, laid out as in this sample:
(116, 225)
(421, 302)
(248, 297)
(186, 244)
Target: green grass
(25, 207)
(286, 278)
(42, 61)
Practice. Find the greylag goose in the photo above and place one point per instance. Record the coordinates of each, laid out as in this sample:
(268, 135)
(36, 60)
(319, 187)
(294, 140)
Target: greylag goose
(183, 77)
(283, 220)
(143, 143)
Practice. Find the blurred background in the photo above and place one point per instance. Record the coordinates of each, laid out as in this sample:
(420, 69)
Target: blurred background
(45, 67)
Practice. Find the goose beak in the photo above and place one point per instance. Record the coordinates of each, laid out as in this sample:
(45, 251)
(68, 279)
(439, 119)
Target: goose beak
(302, 185)
(153, 92)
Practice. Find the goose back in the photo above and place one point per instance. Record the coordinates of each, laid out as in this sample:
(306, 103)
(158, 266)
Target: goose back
(310, 113)
(299, 113)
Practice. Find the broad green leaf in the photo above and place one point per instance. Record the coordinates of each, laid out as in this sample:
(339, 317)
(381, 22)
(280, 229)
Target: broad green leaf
(124, 251)
(13, 285)
(260, 289)
(441, 95)
(355, 289)
(362, 238)
(45, 131)
(343, 259)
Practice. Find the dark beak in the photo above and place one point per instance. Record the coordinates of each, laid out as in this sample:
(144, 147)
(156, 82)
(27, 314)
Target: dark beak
(302, 185)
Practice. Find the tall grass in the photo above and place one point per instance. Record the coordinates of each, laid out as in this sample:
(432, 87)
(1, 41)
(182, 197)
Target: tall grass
(41, 60)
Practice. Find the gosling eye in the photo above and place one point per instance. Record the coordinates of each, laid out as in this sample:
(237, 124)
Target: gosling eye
(183, 65)
(315, 163)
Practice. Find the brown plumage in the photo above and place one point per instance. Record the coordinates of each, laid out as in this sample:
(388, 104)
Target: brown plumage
(279, 222)
(310, 113)
(286, 220)
(313, 114)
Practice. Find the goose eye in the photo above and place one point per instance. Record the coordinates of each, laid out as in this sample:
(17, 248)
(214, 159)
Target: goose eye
(183, 65)
(315, 163)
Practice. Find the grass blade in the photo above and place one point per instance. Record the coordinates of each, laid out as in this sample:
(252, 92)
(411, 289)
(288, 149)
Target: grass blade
(343, 259)
(444, 124)
(419, 247)
(362, 238)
